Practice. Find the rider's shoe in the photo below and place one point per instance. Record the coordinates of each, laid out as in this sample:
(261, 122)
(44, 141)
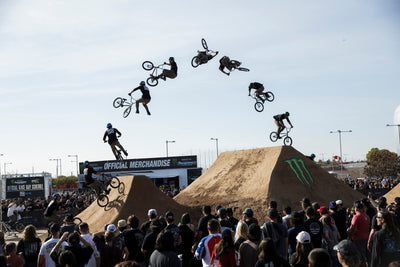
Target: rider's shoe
(137, 111)
(163, 77)
(148, 113)
(107, 191)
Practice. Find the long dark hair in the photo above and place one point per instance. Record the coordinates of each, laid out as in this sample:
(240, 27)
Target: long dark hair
(225, 244)
(268, 252)
(389, 225)
(302, 251)
(327, 220)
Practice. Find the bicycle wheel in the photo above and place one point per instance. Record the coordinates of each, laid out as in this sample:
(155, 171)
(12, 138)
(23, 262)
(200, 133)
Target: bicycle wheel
(269, 96)
(19, 227)
(287, 141)
(102, 200)
(273, 136)
(114, 183)
(77, 220)
(243, 69)
(151, 81)
(147, 65)
(259, 106)
(195, 62)
(121, 188)
(127, 111)
(118, 102)
(204, 44)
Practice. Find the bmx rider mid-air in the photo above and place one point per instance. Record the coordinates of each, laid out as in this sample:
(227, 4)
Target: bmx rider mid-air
(225, 62)
(171, 73)
(145, 96)
(92, 182)
(113, 134)
(279, 122)
(259, 90)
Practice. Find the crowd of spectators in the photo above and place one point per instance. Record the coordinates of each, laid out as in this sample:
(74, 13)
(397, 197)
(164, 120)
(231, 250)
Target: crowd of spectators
(371, 184)
(366, 233)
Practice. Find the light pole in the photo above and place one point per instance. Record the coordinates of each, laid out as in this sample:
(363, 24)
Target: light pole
(56, 165)
(166, 144)
(216, 143)
(340, 144)
(398, 127)
(0, 165)
(76, 161)
(5, 164)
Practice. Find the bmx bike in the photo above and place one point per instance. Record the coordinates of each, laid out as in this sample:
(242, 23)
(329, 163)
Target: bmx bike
(120, 102)
(235, 65)
(77, 220)
(266, 96)
(11, 227)
(153, 79)
(203, 56)
(114, 182)
(287, 140)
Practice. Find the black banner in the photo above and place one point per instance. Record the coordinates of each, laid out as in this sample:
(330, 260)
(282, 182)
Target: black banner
(143, 164)
(25, 187)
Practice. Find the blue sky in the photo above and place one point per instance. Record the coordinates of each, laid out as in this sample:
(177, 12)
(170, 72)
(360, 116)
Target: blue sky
(332, 65)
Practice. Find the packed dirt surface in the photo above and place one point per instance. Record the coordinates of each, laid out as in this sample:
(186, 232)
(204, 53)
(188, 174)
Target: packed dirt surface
(392, 194)
(139, 196)
(252, 178)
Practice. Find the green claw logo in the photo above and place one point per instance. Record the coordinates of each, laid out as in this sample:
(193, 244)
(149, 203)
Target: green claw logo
(299, 168)
(174, 161)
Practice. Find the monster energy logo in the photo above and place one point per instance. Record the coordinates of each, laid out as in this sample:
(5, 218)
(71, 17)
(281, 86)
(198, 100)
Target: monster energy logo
(299, 168)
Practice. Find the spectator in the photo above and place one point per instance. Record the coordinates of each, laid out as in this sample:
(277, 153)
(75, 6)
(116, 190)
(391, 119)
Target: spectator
(44, 253)
(223, 254)
(133, 238)
(303, 248)
(305, 203)
(150, 240)
(29, 246)
(374, 224)
(319, 257)
(223, 220)
(314, 227)
(164, 255)
(277, 232)
(248, 216)
(69, 225)
(229, 215)
(331, 237)
(316, 206)
(286, 220)
(269, 256)
(12, 212)
(386, 244)
(187, 232)
(173, 228)
(67, 259)
(242, 231)
(151, 214)
(85, 234)
(368, 208)
(206, 245)
(359, 230)
(118, 241)
(298, 222)
(203, 222)
(110, 255)
(248, 250)
(3, 260)
(2, 243)
(13, 259)
(347, 254)
(339, 216)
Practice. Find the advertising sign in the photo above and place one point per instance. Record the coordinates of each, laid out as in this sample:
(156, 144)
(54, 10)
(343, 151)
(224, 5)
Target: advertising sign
(25, 187)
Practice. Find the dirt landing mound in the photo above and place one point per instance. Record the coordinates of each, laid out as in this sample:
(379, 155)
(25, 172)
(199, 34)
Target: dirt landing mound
(139, 196)
(252, 178)
(392, 194)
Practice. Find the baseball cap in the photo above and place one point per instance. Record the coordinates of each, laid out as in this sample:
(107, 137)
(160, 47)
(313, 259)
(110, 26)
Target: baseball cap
(332, 205)
(305, 200)
(248, 212)
(346, 247)
(152, 212)
(111, 227)
(222, 212)
(322, 210)
(303, 237)
(73, 239)
(122, 223)
(339, 202)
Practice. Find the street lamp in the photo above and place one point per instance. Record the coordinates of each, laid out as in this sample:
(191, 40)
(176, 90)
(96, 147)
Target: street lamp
(340, 144)
(216, 143)
(5, 164)
(76, 161)
(56, 166)
(398, 127)
(166, 144)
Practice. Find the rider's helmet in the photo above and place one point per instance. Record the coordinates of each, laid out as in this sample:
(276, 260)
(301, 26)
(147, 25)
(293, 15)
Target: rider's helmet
(55, 196)
(287, 113)
(86, 163)
(142, 83)
(109, 125)
(312, 155)
(172, 58)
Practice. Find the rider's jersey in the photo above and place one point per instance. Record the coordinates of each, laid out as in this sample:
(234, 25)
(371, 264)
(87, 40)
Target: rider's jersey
(174, 67)
(225, 61)
(88, 172)
(255, 85)
(280, 117)
(145, 91)
(112, 135)
(51, 208)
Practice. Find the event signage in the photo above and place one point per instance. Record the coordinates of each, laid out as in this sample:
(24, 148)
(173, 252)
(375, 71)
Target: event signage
(145, 164)
(21, 187)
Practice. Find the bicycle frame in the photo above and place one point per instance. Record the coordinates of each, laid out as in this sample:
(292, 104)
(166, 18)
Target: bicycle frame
(157, 69)
(285, 132)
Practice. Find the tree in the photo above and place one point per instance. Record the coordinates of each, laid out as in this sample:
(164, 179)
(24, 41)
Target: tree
(382, 163)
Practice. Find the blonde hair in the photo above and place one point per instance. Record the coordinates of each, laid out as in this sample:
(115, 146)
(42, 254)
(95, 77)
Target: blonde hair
(242, 230)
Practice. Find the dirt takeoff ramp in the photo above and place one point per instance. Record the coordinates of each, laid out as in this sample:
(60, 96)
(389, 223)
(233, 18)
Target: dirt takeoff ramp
(392, 194)
(139, 196)
(251, 178)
